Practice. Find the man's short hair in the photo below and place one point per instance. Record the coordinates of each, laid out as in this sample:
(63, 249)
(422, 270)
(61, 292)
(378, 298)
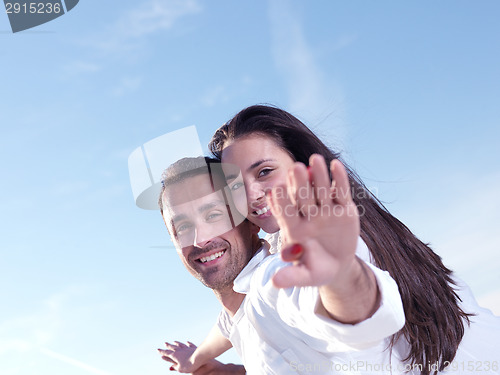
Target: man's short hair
(191, 167)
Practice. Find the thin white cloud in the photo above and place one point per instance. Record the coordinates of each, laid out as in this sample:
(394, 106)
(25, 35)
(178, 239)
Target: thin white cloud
(81, 67)
(30, 336)
(128, 32)
(73, 362)
(293, 57)
(465, 231)
(17, 345)
(491, 301)
(24, 332)
(39, 328)
(221, 93)
(71, 187)
(156, 15)
(344, 41)
(127, 85)
(214, 95)
(147, 18)
(310, 94)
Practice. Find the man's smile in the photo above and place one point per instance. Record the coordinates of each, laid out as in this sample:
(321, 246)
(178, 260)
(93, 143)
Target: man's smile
(212, 257)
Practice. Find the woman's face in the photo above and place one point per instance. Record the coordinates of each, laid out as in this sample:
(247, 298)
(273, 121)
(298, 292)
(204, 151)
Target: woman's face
(262, 165)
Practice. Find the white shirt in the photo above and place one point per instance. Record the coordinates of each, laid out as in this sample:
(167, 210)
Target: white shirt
(277, 331)
(288, 350)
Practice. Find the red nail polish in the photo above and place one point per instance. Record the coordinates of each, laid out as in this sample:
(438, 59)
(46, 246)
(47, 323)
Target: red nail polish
(296, 249)
(172, 368)
(309, 173)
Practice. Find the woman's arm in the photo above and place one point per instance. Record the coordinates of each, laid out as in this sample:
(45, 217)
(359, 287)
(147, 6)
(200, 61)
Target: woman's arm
(320, 223)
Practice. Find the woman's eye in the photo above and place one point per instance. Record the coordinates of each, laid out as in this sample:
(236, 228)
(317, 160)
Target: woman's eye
(264, 172)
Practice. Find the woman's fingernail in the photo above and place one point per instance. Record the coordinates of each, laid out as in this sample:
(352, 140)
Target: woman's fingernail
(309, 172)
(172, 368)
(296, 249)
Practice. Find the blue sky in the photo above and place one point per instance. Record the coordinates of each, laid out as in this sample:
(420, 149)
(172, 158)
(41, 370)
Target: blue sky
(90, 284)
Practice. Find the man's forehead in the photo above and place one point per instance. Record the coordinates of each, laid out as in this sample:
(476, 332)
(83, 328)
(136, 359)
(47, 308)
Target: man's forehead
(195, 207)
(188, 190)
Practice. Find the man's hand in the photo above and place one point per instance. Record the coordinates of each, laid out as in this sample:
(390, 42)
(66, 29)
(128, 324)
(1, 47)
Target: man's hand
(179, 355)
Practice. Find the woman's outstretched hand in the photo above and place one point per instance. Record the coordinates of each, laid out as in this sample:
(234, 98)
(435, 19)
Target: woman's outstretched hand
(319, 222)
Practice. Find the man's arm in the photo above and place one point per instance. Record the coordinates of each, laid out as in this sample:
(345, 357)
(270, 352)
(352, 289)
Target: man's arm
(215, 367)
(213, 346)
(189, 358)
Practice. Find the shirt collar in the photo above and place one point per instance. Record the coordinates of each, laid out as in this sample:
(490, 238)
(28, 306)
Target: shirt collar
(242, 282)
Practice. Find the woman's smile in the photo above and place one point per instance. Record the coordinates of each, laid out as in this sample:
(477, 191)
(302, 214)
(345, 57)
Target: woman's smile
(263, 164)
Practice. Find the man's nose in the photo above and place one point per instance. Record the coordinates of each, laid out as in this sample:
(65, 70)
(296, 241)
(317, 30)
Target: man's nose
(202, 235)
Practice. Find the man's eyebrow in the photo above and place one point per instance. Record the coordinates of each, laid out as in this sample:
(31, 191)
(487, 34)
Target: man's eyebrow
(178, 218)
(208, 206)
(201, 209)
(231, 177)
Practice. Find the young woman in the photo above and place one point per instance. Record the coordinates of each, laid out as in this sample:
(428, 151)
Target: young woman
(445, 328)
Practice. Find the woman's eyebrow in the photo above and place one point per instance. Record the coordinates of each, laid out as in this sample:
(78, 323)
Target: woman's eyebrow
(257, 163)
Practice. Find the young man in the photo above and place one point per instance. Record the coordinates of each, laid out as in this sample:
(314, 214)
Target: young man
(332, 322)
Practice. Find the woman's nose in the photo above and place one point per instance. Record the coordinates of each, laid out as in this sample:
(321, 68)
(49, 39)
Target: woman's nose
(255, 192)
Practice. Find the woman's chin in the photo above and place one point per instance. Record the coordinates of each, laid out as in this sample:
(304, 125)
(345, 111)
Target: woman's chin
(265, 222)
(270, 226)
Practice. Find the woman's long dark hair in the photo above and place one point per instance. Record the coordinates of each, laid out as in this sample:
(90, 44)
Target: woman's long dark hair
(434, 320)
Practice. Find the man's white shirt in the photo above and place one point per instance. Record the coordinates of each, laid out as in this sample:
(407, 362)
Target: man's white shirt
(277, 331)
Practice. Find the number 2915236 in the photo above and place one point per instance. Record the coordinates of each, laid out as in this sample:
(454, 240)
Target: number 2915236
(33, 8)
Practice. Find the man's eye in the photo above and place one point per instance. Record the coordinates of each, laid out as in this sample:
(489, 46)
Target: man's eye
(182, 228)
(213, 216)
(236, 186)
(264, 172)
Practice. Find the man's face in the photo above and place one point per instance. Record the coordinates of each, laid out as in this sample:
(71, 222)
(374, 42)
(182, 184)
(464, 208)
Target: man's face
(200, 225)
